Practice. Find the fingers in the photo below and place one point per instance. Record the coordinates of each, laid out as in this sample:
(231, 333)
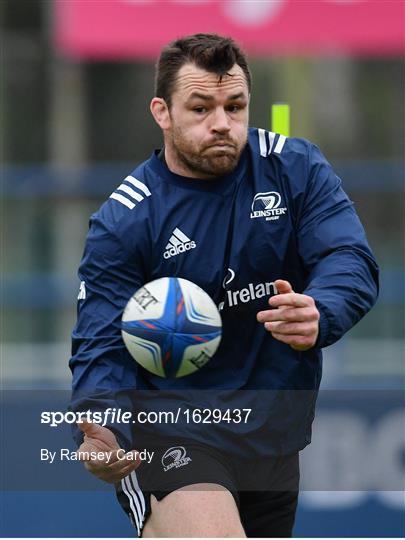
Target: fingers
(101, 436)
(297, 342)
(109, 476)
(119, 466)
(294, 319)
(291, 329)
(286, 314)
(290, 299)
(94, 430)
(92, 447)
(101, 440)
(88, 428)
(122, 468)
(299, 335)
(283, 286)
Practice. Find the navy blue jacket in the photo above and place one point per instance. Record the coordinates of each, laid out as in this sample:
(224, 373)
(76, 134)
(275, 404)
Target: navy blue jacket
(281, 214)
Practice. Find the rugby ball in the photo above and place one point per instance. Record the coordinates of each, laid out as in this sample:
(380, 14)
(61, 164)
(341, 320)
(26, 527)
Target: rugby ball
(171, 327)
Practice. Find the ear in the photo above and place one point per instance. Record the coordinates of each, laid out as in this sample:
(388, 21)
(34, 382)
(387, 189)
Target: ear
(160, 112)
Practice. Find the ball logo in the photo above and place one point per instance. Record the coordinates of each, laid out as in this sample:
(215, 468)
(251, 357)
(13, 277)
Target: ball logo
(175, 457)
(267, 205)
(144, 298)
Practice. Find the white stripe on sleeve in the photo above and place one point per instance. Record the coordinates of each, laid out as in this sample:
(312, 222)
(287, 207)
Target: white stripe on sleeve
(122, 200)
(134, 194)
(262, 142)
(271, 141)
(280, 144)
(139, 185)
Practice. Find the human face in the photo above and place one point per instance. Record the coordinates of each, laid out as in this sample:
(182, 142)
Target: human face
(208, 122)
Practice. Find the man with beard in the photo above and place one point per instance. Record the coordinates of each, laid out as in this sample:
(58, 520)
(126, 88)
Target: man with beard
(244, 213)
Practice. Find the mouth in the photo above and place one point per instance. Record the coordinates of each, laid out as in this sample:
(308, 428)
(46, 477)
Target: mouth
(222, 146)
(222, 143)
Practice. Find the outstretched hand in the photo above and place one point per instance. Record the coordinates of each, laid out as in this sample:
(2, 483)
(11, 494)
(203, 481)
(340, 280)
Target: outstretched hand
(295, 319)
(112, 467)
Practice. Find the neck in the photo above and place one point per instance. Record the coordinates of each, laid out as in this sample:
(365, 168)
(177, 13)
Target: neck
(177, 166)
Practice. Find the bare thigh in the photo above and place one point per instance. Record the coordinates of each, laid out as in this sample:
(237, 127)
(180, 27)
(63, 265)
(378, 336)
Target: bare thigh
(199, 510)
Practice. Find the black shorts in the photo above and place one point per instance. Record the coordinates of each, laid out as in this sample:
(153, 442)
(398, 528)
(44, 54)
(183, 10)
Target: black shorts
(265, 490)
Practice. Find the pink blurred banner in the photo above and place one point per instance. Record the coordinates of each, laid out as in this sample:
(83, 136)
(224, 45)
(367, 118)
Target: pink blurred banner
(124, 29)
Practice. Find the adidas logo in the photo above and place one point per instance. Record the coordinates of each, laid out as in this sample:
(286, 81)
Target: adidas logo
(178, 243)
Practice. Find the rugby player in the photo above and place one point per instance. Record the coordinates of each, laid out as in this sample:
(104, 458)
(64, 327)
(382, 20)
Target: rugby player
(260, 222)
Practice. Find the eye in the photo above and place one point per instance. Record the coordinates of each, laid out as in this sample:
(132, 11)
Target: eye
(199, 110)
(234, 108)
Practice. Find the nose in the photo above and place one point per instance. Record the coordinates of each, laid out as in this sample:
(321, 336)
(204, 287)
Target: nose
(220, 121)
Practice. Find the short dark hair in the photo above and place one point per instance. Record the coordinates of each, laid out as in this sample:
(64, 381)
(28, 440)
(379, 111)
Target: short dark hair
(214, 53)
